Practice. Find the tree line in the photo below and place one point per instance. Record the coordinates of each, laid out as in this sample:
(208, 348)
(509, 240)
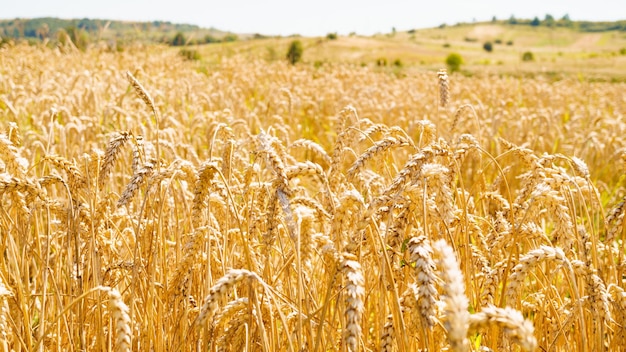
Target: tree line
(86, 30)
(565, 21)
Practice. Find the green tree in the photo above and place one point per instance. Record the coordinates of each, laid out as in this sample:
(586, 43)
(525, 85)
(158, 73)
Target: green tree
(208, 39)
(565, 21)
(454, 62)
(331, 36)
(535, 22)
(528, 56)
(294, 54)
(230, 38)
(488, 46)
(189, 54)
(179, 39)
(78, 36)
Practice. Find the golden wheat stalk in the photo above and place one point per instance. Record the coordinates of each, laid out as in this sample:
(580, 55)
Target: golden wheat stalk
(354, 295)
(121, 321)
(421, 254)
(456, 315)
(511, 321)
(444, 88)
(138, 179)
(142, 93)
(112, 152)
(220, 290)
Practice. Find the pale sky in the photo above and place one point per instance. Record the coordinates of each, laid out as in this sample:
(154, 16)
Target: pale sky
(312, 18)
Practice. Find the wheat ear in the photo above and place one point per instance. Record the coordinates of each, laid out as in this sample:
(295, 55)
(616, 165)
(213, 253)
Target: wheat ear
(511, 322)
(121, 320)
(421, 254)
(444, 88)
(354, 294)
(138, 179)
(529, 261)
(457, 317)
(14, 163)
(220, 290)
(115, 145)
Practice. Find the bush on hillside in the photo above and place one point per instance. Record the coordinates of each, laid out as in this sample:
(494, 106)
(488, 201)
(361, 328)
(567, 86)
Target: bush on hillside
(230, 38)
(179, 39)
(189, 54)
(528, 56)
(294, 54)
(454, 62)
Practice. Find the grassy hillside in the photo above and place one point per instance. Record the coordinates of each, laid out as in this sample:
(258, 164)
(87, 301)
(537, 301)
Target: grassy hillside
(559, 48)
(557, 51)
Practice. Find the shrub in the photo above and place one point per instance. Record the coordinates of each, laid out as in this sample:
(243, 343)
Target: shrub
(331, 36)
(208, 39)
(446, 45)
(535, 22)
(294, 54)
(528, 56)
(189, 54)
(622, 51)
(230, 38)
(397, 63)
(498, 41)
(78, 36)
(454, 62)
(4, 41)
(509, 43)
(381, 62)
(488, 46)
(178, 40)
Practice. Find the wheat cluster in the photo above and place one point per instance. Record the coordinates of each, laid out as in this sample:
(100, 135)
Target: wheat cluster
(247, 205)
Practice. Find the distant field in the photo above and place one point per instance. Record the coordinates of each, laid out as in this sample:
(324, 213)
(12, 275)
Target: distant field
(558, 52)
(153, 198)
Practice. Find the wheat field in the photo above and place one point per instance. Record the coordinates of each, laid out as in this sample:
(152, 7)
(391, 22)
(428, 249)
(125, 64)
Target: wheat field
(149, 205)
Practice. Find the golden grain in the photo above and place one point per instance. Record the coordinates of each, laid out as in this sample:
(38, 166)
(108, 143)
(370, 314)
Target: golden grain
(328, 214)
